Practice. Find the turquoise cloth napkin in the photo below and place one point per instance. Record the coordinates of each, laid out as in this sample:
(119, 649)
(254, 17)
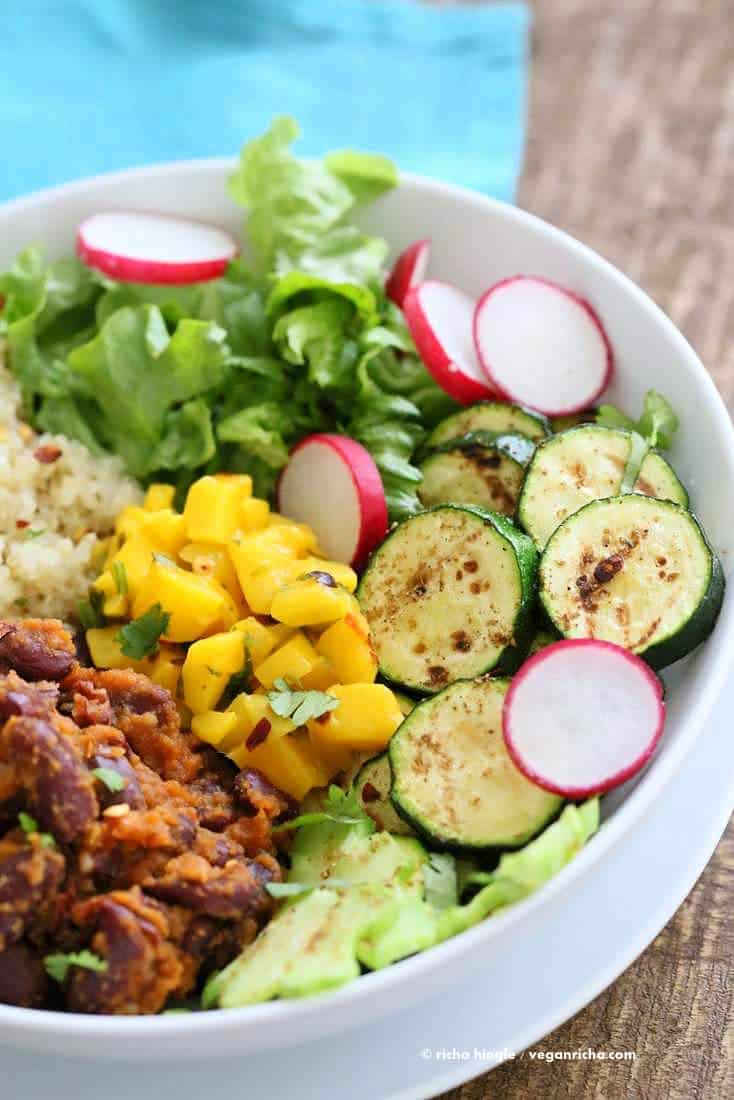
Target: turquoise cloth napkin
(90, 86)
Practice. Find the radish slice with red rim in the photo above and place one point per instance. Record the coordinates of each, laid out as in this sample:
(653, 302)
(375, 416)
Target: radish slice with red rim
(139, 247)
(410, 268)
(332, 483)
(582, 716)
(542, 345)
(440, 317)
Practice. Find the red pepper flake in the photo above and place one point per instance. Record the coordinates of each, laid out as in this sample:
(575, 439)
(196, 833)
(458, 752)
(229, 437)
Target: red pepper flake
(370, 793)
(47, 454)
(21, 524)
(259, 733)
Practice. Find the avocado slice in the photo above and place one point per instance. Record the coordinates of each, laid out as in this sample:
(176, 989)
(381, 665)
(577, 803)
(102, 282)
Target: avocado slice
(378, 912)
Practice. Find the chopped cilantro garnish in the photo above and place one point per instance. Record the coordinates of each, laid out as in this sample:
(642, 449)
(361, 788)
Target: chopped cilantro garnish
(21, 603)
(90, 611)
(35, 532)
(29, 825)
(139, 638)
(120, 574)
(341, 806)
(112, 780)
(299, 706)
(657, 425)
(238, 683)
(57, 966)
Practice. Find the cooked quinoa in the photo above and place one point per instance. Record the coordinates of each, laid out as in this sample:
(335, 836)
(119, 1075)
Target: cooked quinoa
(57, 501)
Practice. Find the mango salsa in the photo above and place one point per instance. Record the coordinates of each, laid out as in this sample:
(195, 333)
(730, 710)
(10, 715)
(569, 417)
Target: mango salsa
(228, 598)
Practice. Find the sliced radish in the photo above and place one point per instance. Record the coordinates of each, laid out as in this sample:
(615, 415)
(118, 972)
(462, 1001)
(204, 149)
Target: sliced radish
(409, 269)
(582, 716)
(152, 248)
(332, 483)
(439, 317)
(542, 345)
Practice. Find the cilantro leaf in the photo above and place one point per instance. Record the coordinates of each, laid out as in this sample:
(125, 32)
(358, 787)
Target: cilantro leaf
(57, 966)
(29, 825)
(299, 706)
(112, 780)
(139, 637)
(90, 611)
(120, 574)
(609, 416)
(238, 682)
(343, 807)
(657, 425)
(439, 880)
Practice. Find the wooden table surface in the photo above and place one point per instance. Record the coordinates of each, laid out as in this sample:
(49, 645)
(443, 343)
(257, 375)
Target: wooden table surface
(631, 149)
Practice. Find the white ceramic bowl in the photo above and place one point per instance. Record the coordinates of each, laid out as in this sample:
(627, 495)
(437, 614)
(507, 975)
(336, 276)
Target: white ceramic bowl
(475, 241)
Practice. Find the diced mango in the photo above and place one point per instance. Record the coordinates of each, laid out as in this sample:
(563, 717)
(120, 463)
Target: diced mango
(260, 586)
(344, 575)
(214, 726)
(106, 652)
(288, 762)
(254, 514)
(366, 718)
(335, 758)
(252, 710)
(209, 560)
(114, 604)
(307, 535)
(322, 676)
(136, 558)
(290, 662)
(166, 669)
(257, 637)
(280, 633)
(166, 529)
(213, 507)
(308, 601)
(349, 650)
(208, 666)
(196, 606)
(159, 495)
(129, 520)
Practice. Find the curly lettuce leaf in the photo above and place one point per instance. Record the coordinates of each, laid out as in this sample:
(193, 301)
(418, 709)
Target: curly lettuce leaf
(135, 373)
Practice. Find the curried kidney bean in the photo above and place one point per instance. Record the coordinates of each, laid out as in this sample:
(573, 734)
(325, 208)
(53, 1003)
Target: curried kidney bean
(18, 697)
(22, 977)
(131, 793)
(233, 891)
(49, 767)
(256, 793)
(143, 967)
(38, 649)
(30, 875)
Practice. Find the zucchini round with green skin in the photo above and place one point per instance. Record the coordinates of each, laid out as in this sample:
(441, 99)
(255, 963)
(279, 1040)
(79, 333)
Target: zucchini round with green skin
(453, 778)
(583, 464)
(490, 416)
(635, 571)
(478, 468)
(448, 596)
(372, 785)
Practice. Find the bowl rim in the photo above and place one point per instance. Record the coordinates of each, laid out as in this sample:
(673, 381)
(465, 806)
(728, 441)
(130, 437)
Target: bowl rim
(378, 985)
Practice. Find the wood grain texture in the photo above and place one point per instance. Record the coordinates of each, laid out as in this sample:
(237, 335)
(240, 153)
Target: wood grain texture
(631, 149)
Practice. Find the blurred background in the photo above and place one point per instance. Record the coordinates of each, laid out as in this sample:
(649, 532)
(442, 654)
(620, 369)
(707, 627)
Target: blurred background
(614, 119)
